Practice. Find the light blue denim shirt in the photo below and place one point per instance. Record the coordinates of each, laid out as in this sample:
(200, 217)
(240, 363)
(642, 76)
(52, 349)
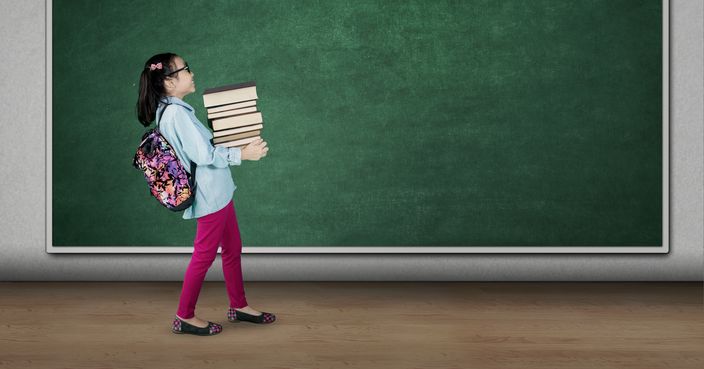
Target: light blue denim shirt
(190, 140)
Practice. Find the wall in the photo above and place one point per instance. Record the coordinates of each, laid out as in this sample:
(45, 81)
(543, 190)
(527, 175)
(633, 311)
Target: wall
(22, 223)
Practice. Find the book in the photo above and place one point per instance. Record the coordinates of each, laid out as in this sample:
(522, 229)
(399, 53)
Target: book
(227, 113)
(237, 130)
(235, 121)
(234, 137)
(239, 105)
(229, 94)
(239, 143)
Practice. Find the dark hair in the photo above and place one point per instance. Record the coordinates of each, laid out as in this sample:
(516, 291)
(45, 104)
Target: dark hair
(151, 86)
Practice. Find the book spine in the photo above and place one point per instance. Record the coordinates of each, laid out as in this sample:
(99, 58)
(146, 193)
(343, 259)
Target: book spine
(238, 143)
(233, 112)
(226, 132)
(238, 136)
(221, 108)
(229, 97)
(236, 121)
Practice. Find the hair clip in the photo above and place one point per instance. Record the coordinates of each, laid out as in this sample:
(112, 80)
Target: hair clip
(155, 66)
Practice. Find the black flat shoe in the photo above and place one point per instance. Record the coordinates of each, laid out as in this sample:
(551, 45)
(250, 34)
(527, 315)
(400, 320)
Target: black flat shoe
(181, 327)
(264, 318)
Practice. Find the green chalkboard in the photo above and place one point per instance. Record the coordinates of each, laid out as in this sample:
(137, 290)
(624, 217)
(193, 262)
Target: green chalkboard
(390, 123)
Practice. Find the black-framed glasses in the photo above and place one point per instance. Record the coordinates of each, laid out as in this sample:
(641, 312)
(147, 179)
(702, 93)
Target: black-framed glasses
(180, 69)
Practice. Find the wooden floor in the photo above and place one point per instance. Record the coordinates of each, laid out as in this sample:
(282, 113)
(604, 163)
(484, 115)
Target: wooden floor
(357, 325)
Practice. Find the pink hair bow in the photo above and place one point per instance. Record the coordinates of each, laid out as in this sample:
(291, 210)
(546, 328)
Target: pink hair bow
(155, 66)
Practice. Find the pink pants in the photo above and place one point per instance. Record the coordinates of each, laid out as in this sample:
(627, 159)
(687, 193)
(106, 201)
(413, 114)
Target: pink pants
(214, 229)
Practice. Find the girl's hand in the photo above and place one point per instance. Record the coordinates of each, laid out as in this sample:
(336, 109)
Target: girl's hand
(255, 150)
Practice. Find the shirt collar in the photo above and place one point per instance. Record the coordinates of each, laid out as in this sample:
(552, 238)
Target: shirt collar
(177, 101)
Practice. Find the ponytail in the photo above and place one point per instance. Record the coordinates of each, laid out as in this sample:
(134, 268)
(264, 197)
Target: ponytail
(151, 86)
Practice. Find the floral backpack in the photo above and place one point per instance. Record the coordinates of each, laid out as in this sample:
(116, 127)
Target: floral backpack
(166, 177)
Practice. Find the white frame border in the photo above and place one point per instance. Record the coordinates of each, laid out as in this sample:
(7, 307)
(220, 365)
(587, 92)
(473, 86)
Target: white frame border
(665, 248)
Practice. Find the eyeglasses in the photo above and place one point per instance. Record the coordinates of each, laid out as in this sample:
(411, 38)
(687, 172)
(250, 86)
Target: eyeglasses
(178, 70)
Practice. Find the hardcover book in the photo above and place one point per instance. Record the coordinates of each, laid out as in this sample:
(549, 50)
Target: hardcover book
(220, 124)
(229, 94)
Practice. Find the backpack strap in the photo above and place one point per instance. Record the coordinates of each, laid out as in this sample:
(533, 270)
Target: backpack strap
(193, 172)
(158, 118)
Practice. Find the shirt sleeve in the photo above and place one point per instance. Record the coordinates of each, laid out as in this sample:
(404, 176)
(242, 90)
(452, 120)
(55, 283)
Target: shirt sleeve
(198, 148)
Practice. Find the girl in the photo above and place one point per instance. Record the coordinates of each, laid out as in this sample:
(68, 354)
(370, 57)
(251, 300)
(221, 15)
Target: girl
(166, 79)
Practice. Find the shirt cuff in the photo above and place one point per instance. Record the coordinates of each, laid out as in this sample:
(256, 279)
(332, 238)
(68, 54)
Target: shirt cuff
(234, 156)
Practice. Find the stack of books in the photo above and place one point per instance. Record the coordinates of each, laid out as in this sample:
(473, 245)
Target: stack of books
(233, 115)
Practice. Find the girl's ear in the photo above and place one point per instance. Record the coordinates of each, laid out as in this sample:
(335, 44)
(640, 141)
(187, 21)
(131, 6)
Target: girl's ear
(169, 83)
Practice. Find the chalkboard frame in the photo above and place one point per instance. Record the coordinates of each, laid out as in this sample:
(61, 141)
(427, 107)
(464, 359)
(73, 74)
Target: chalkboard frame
(661, 249)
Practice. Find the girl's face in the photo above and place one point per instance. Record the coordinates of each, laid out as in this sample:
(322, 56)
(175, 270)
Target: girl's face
(181, 83)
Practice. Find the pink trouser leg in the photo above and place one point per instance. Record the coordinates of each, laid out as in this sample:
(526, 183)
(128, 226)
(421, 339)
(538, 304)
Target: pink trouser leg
(231, 260)
(209, 234)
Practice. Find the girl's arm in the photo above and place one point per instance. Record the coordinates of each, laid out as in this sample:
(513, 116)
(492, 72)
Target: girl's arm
(199, 149)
